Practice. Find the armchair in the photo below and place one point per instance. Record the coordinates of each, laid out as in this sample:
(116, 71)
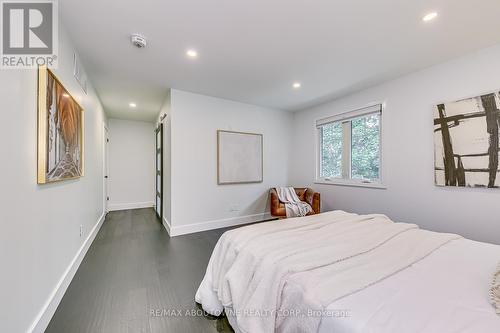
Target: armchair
(305, 194)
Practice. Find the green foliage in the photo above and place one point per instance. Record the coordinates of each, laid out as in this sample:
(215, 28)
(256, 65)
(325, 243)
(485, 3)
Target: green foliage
(365, 148)
(331, 150)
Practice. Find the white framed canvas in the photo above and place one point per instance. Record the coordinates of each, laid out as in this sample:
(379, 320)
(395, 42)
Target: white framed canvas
(239, 157)
(466, 142)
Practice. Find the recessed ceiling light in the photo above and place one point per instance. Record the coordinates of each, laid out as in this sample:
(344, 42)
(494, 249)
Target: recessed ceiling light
(65, 95)
(191, 53)
(297, 85)
(430, 17)
(132, 105)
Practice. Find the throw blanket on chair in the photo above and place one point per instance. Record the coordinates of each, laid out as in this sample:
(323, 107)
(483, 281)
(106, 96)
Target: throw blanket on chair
(293, 205)
(305, 264)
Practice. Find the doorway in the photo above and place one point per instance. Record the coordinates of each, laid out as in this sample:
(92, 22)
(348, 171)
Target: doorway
(105, 168)
(159, 172)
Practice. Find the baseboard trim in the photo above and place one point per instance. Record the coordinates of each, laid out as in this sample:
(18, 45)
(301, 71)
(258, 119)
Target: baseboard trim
(166, 225)
(49, 308)
(132, 205)
(217, 224)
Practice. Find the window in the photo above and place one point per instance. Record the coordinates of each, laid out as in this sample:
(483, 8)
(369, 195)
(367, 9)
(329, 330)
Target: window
(350, 147)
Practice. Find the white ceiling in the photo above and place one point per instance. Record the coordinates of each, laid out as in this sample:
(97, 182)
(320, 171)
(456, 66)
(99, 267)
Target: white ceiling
(252, 51)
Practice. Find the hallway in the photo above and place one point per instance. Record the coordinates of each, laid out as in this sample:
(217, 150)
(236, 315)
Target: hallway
(132, 269)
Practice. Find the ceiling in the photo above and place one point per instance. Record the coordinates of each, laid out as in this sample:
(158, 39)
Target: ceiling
(252, 51)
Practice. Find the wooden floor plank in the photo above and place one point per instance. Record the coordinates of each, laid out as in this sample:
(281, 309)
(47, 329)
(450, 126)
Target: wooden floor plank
(131, 269)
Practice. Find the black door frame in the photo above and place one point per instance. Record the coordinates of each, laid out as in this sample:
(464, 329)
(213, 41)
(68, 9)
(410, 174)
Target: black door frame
(159, 154)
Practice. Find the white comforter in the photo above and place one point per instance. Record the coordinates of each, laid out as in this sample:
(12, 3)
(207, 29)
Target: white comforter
(306, 264)
(447, 292)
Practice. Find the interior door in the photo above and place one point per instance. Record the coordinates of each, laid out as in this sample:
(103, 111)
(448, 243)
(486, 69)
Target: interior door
(159, 172)
(105, 169)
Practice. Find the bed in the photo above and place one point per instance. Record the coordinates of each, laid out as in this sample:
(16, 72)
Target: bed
(343, 272)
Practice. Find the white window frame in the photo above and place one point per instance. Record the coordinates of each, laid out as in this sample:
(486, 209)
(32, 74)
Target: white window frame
(346, 119)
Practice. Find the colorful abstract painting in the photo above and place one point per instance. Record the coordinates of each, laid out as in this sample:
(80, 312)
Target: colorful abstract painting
(466, 142)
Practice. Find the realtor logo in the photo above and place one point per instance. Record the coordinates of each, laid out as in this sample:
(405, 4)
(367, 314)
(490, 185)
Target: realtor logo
(29, 34)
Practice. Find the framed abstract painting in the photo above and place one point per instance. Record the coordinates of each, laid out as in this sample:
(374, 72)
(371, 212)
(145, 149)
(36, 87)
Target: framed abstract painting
(466, 142)
(60, 131)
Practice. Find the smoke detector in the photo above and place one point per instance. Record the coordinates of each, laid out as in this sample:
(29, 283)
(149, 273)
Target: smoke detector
(138, 41)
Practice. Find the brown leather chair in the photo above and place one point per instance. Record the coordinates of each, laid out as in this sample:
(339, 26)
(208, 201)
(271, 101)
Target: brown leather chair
(305, 194)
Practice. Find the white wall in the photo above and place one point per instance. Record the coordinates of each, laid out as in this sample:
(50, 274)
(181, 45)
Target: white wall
(40, 224)
(408, 150)
(197, 201)
(131, 152)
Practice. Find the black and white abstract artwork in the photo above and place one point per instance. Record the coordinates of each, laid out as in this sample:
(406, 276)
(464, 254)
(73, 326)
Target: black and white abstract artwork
(466, 142)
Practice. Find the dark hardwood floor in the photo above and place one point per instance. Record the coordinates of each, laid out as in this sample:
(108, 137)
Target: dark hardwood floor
(134, 275)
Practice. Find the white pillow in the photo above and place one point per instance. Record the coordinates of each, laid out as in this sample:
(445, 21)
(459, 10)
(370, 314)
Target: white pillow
(495, 291)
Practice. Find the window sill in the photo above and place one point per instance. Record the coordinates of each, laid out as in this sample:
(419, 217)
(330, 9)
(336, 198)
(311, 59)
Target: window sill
(341, 182)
